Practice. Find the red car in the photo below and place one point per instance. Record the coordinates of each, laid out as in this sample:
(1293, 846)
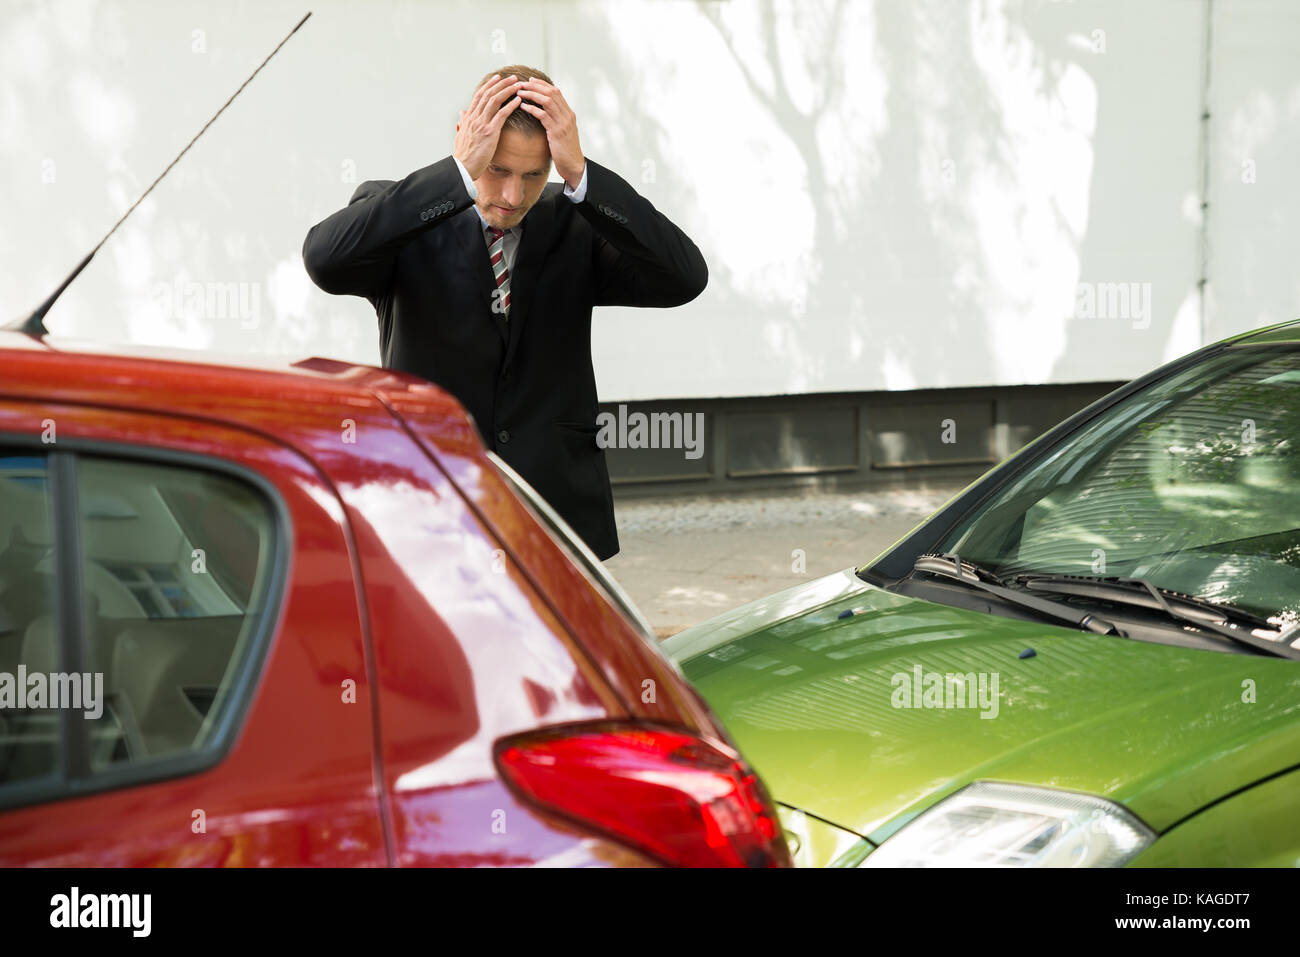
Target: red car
(296, 615)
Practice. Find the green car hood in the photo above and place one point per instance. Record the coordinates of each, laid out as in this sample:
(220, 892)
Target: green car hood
(829, 712)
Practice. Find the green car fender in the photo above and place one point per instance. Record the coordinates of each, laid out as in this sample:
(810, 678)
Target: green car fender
(1257, 827)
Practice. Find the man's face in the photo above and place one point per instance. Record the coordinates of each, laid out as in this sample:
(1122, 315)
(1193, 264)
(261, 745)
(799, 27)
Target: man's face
(514, 179)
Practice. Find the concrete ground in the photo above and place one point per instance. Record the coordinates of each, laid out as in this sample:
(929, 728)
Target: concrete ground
(684, 560)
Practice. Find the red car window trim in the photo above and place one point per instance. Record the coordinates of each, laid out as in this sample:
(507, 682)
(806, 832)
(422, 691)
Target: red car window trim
(271, 597)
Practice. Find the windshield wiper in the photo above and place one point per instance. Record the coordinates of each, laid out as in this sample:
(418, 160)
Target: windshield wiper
(949, 565)
(1139, 592)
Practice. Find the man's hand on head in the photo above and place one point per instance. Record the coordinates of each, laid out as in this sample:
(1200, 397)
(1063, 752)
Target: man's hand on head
(546, 102)
(479, 128)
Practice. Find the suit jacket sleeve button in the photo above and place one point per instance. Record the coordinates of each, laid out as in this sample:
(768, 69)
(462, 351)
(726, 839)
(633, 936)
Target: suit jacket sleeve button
(503, 436)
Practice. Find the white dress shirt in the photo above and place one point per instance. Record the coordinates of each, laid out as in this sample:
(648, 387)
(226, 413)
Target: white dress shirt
(510, 242)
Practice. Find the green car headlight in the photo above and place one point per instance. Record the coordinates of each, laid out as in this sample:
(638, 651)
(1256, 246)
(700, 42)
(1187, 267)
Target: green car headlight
(989, 824)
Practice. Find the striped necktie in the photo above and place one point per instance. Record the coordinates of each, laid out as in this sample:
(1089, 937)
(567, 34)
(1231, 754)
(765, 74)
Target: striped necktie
(497, 253)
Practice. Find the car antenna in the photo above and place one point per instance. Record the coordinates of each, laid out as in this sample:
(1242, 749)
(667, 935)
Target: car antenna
(34, 325)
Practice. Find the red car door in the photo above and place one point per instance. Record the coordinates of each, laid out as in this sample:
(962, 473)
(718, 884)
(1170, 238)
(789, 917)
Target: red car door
(205, 573)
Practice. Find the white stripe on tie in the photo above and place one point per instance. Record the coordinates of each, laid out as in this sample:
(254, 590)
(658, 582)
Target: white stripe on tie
(497, 253)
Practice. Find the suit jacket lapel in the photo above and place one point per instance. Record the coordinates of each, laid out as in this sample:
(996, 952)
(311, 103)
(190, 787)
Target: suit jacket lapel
(538, 238)
(469, 230)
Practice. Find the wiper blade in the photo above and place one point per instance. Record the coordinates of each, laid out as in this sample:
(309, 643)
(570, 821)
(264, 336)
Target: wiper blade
(1142, 592)
(950, 565)
(1198, 612)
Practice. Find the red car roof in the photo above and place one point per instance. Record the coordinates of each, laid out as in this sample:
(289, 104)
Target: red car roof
(276, 395)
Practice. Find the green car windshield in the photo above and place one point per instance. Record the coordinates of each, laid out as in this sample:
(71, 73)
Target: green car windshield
(1192, 483)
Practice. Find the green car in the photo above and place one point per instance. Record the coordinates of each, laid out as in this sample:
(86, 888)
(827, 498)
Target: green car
(1088, 657)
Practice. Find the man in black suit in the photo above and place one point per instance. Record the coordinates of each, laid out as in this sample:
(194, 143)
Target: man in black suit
(484, 277)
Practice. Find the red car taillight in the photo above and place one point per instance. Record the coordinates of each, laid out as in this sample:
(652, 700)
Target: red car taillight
(671, 794)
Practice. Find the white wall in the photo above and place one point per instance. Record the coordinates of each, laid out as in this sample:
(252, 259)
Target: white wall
(898, 194)
(1253, 224)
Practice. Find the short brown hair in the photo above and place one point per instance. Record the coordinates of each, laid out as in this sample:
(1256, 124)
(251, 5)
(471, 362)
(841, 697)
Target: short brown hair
(520, 120)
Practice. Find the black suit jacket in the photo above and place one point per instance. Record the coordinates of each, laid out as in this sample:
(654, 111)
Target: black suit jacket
(415, 249)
